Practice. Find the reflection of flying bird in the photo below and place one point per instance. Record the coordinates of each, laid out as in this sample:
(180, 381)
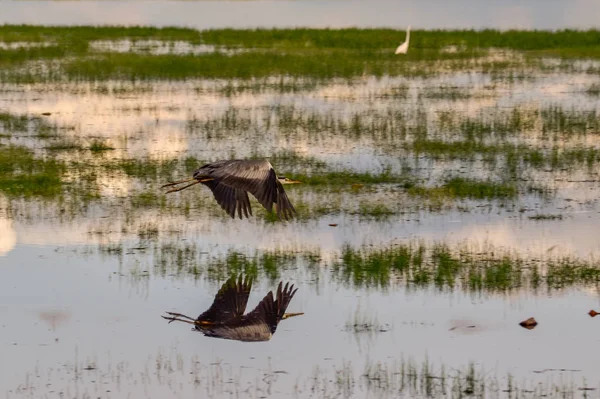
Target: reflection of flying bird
(403, 48)
(226, 319)
(230, 182)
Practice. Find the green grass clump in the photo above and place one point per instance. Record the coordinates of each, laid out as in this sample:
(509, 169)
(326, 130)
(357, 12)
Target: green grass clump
(99, 146)
(38, 33)
(466, 188)
(593, 90)
(543, 216)
(64, 146)
(445, 93)
(459, 187)
(375, 211)
(22, 174)
(464, 149)
(13, 123)
(282, 86)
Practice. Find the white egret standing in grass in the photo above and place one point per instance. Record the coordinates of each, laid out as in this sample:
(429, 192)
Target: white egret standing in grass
(403, 48)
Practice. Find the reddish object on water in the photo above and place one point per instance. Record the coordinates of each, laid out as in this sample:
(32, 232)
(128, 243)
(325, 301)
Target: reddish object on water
(529, 324)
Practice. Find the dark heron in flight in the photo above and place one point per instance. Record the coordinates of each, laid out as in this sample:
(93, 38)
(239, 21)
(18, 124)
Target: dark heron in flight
(231, 181)
(226, 319)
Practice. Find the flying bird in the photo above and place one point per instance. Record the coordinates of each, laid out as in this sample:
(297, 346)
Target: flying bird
(231, 181)
(403, 48)
(226, 319)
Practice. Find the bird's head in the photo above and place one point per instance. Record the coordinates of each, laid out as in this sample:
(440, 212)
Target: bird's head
(285, 180)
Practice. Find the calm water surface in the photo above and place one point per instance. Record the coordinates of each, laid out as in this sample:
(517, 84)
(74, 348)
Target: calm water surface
(82, 291)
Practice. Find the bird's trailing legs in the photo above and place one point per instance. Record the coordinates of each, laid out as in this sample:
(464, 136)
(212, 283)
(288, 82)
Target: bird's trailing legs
(179, 317)
(174, 183)
(186, 319)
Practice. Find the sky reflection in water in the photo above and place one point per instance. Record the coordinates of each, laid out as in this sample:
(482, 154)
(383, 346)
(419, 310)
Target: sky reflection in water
(66, 306)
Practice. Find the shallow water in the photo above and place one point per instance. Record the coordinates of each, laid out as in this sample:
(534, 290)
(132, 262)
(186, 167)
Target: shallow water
(114, 328)
(87, 279)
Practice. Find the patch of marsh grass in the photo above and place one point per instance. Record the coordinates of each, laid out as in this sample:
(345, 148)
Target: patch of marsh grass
(320, 65)
(460, 188)
(317, 53)
(355, 38)
(544, 216)
(282, 86)
(40, 33)
(187, 260)
(445, 93)
(593, 90)
(64, 145)
(99, 146)
(419, 265)
(11, 124)
(375, 211)
(23, 174)
(554, 121)
(414, 265)
(515, 158)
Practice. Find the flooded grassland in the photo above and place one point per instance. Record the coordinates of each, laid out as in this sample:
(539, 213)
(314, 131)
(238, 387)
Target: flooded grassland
(447, 194)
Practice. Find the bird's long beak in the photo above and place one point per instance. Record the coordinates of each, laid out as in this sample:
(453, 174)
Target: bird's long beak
(288, 315)
(293, 182)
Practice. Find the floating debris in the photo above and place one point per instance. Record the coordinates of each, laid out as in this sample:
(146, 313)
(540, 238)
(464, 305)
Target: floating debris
(455, 327)
(46, 113)
(529, 324)
(333, 224)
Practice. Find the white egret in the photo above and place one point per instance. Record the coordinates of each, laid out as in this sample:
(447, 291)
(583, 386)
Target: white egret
(403, 48)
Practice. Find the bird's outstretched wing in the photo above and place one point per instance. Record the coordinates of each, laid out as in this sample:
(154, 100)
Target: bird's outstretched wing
(283, 206)
(254, 176)
(269, 311)
(230, 199)
(230, 302)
